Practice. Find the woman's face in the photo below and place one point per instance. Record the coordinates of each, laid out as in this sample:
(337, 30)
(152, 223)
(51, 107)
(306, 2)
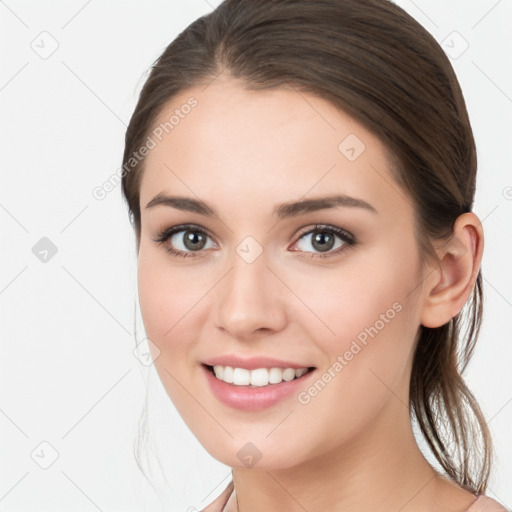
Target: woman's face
(256, 282)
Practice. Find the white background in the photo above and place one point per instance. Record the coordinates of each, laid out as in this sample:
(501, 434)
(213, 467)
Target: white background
(68, 374)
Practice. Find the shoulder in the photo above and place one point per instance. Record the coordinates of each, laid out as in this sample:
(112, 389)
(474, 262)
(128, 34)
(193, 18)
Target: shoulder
(486, 504)
(218, 504)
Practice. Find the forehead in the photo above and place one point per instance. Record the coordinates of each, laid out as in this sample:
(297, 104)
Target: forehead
(236, 144)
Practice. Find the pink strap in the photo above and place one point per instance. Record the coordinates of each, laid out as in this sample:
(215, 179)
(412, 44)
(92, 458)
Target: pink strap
(486, 504)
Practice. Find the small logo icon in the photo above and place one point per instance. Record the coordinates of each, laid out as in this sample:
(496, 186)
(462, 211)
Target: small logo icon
(44, 455)
(249, 454)
(351, 147)
(249, 249)
(454, 45)
(146, 352)
(44, 250)
(45, 45)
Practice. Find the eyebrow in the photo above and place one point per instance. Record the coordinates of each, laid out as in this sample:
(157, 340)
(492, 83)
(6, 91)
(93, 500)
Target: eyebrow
(282, 211)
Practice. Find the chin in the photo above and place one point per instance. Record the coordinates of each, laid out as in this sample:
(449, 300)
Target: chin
(258, 454)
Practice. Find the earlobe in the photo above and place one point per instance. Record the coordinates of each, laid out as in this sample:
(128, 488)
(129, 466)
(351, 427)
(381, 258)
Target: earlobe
(452, 282)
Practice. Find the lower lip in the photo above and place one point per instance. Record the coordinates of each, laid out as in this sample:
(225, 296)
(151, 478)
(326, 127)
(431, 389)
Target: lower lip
(253, 398)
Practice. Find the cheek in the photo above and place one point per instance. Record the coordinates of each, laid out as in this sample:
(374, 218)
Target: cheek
(367, 362)
(155, 303)
(168, 303)
(364, 320)
(360, 297)
(167, 298)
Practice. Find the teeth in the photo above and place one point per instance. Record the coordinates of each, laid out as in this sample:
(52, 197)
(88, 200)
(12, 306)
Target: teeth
(257, 377)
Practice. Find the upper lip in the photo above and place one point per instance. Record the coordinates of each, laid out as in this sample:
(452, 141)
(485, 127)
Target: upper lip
(252, 363)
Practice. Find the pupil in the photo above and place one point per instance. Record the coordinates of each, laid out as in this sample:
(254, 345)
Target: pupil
(322, 241)
(194, 240)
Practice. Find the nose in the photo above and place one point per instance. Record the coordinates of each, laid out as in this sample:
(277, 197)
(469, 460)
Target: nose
(250, 300)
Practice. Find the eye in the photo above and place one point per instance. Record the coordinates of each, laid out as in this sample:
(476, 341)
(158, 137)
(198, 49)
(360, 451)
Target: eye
(183, 240)
(323, 239)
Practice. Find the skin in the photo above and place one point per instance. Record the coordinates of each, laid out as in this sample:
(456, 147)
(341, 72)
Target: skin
(351, 447)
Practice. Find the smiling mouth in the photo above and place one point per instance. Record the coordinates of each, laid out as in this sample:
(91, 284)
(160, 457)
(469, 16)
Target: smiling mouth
(257, 378)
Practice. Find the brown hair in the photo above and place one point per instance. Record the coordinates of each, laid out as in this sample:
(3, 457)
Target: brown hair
(376, 63)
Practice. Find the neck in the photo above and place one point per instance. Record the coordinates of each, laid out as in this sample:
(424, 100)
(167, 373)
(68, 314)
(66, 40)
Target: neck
(382, 469)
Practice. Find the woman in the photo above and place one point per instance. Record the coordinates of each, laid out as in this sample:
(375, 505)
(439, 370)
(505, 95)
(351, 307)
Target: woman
(300, 177)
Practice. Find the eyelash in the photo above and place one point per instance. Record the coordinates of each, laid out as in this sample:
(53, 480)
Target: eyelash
(346, 237)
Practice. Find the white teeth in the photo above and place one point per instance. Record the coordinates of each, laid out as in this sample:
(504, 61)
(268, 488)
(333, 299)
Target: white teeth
(257, 377)
(275, 375)
(227, 374)
(241, 376)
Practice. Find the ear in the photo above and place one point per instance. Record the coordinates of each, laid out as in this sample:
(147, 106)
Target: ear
(450, 283)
